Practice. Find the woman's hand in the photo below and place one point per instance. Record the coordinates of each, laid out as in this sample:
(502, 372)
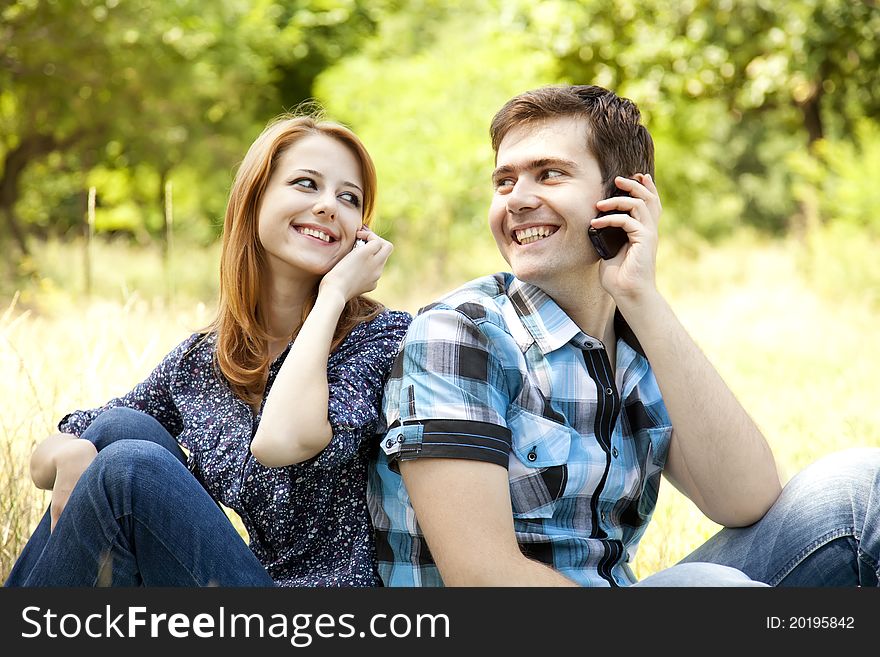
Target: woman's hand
(359, 271)
(630, 275)
(71, 460)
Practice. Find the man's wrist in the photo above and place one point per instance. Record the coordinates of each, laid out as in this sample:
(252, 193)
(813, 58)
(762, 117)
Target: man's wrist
(644, 304)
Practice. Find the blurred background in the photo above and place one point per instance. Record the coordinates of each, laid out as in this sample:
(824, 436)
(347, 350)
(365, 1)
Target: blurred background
(122, 123)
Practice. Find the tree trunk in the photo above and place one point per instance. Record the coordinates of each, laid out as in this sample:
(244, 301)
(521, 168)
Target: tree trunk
(30, 148)
(813, 117)
(807, 216)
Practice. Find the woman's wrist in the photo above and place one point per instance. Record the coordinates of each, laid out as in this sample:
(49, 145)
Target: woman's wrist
(331, 299)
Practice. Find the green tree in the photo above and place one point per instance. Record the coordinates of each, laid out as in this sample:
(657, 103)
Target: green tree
(739, 84)
(421, 95)
(148, 87)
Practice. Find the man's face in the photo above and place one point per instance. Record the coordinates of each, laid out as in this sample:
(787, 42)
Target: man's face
(546, 188)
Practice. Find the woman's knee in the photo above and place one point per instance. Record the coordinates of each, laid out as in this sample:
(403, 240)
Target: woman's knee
(120, 423)
(117, 424)
(127, 465)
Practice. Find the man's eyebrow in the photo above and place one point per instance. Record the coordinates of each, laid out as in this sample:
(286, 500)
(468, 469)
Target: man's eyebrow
(318, 174)
(541, 163)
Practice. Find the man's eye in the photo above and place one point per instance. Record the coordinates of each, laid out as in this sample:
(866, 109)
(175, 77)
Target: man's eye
(350, 198)
(552, 173)
(308, 183)
(504, 183)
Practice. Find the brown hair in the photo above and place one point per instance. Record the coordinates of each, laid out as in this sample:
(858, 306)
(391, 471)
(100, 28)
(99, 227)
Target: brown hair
(615, 135)
(241, 326)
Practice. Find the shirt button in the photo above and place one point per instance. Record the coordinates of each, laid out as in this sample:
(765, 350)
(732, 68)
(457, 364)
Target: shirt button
(532, 456)
(602, 515)
(609, 391)
(589, 345)
(389, 443)
(614, 452)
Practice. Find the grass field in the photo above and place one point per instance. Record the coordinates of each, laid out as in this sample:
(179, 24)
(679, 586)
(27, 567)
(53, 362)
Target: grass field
(800, 355)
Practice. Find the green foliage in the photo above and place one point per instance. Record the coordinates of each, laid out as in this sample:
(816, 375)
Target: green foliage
(148, 90)
(762, 118)
(849, 192)
(423, 109)
(740, 83)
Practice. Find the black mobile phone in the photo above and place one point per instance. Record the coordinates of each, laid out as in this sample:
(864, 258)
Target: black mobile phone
(609, 240)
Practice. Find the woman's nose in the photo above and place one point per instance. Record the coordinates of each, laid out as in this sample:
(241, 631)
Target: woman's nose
(325, 206)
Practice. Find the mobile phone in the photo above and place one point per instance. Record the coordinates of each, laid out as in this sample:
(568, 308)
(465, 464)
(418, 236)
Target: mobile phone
(609, 240)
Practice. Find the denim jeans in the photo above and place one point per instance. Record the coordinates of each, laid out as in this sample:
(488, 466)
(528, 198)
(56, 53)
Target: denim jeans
(137, 517)
(824, 530)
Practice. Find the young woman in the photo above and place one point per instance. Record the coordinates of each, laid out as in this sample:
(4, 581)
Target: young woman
(273, 404)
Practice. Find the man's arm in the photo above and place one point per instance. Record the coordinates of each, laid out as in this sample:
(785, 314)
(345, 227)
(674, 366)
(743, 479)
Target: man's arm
(717, 457)
(464, 510)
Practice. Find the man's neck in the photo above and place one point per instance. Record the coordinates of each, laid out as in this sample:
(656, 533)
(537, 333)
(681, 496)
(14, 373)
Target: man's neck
(589, 306)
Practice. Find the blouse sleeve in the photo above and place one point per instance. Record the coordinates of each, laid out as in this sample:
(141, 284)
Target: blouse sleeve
(152, 396)
(355, 377)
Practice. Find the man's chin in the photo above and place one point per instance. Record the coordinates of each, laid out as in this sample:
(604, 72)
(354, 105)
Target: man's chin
(532, 274)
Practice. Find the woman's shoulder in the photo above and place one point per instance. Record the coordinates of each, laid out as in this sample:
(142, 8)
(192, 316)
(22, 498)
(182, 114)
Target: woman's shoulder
(387, 321)
(388, 327)
(198, 345)
(195, 350)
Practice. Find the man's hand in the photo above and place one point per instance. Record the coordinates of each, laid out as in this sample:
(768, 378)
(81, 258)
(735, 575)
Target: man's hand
(71, 460)
(630, 275)
(359, 271)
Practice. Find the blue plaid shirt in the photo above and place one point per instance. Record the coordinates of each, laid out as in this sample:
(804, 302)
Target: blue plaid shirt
(497, 372)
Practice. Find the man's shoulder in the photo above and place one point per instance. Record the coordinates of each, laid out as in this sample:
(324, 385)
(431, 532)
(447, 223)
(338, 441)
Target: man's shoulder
(478, 300)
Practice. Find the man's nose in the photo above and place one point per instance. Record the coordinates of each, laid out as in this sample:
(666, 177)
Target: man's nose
(522, 197)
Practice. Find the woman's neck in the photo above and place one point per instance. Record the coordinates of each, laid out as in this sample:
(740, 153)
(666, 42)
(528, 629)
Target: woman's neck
(284, 301)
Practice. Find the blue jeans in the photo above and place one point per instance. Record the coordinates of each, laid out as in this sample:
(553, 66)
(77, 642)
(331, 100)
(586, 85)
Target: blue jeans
(824, 530)
(137, 517)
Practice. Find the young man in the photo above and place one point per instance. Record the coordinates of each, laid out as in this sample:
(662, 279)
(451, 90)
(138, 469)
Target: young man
(531, 414)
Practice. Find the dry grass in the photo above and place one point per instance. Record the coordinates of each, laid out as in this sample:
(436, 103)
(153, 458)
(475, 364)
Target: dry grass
(801, 363)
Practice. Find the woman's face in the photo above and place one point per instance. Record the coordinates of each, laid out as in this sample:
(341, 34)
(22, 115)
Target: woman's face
(312, 208)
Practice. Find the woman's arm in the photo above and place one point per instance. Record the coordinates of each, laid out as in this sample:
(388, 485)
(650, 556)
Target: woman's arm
(57, 464)
(294, 425)
(58, 449)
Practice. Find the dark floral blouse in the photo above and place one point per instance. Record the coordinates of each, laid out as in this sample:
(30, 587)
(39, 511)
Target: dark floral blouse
(308, 523)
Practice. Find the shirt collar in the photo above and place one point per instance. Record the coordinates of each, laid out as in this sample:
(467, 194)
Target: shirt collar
(550, 327)
(545, 321)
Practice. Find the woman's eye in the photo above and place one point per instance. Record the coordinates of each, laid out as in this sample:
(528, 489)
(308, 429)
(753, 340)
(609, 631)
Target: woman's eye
(308, 183)
(348, 197)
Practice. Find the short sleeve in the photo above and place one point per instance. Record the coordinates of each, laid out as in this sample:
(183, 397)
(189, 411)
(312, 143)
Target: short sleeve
(356, 376)
(152, 396)
(449, 395)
